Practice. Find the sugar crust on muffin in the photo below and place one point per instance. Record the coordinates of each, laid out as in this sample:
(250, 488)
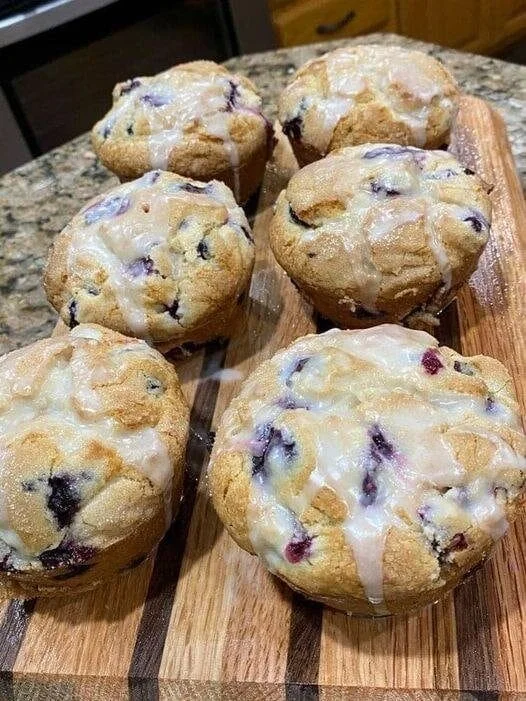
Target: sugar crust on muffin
(370, 469)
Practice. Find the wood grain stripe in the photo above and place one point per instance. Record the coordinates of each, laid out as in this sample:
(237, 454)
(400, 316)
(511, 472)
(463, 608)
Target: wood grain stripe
(12, 631)
(493, 323)
(475, 649)
(147, 654)
(301, 692)
(303, 656)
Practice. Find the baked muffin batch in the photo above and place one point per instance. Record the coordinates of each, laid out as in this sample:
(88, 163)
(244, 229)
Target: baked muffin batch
(368, 468)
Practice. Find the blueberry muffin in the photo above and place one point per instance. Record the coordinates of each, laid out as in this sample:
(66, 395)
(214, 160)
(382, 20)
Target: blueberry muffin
(362, 94)
(161, 258)
(92, 429)
(370, 469)
(381, 232)
(196, 119)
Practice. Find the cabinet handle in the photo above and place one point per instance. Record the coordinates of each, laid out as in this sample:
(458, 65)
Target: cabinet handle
(336, 26)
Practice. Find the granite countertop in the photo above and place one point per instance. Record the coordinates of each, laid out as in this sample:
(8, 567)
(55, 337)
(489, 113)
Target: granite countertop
(38, 199)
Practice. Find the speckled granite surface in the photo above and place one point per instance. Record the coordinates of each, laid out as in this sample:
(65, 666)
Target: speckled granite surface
(37, 199)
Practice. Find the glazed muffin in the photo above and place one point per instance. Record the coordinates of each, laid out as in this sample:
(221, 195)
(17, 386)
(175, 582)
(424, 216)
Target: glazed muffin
(362, 94)
(162, 258)
(370, 470)
(92, 429)
(196, 119)
(381, 232)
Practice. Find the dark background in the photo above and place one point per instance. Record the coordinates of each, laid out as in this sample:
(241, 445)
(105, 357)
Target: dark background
(59, 84)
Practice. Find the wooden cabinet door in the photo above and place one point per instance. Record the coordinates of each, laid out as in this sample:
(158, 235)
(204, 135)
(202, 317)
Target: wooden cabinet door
(309, 21)
(460, 24)
(508, 20)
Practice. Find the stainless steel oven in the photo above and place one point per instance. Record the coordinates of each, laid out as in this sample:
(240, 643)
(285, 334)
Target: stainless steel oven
(59, 59)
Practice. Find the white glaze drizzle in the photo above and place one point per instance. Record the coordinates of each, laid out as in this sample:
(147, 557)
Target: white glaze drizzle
(186, 98)
(113, 243)
(374, 218)
(388, 218)
(379, 70)
(218, 126)
(437, 247)
(347, 384)
(60, 398)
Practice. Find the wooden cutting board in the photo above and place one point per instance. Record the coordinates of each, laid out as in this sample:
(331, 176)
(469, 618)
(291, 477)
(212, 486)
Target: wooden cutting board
(203, 620)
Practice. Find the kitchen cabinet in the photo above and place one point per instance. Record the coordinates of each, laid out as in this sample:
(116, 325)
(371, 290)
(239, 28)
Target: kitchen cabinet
(480, 26)
(309, 21)
(461, 25)
(509, 17)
